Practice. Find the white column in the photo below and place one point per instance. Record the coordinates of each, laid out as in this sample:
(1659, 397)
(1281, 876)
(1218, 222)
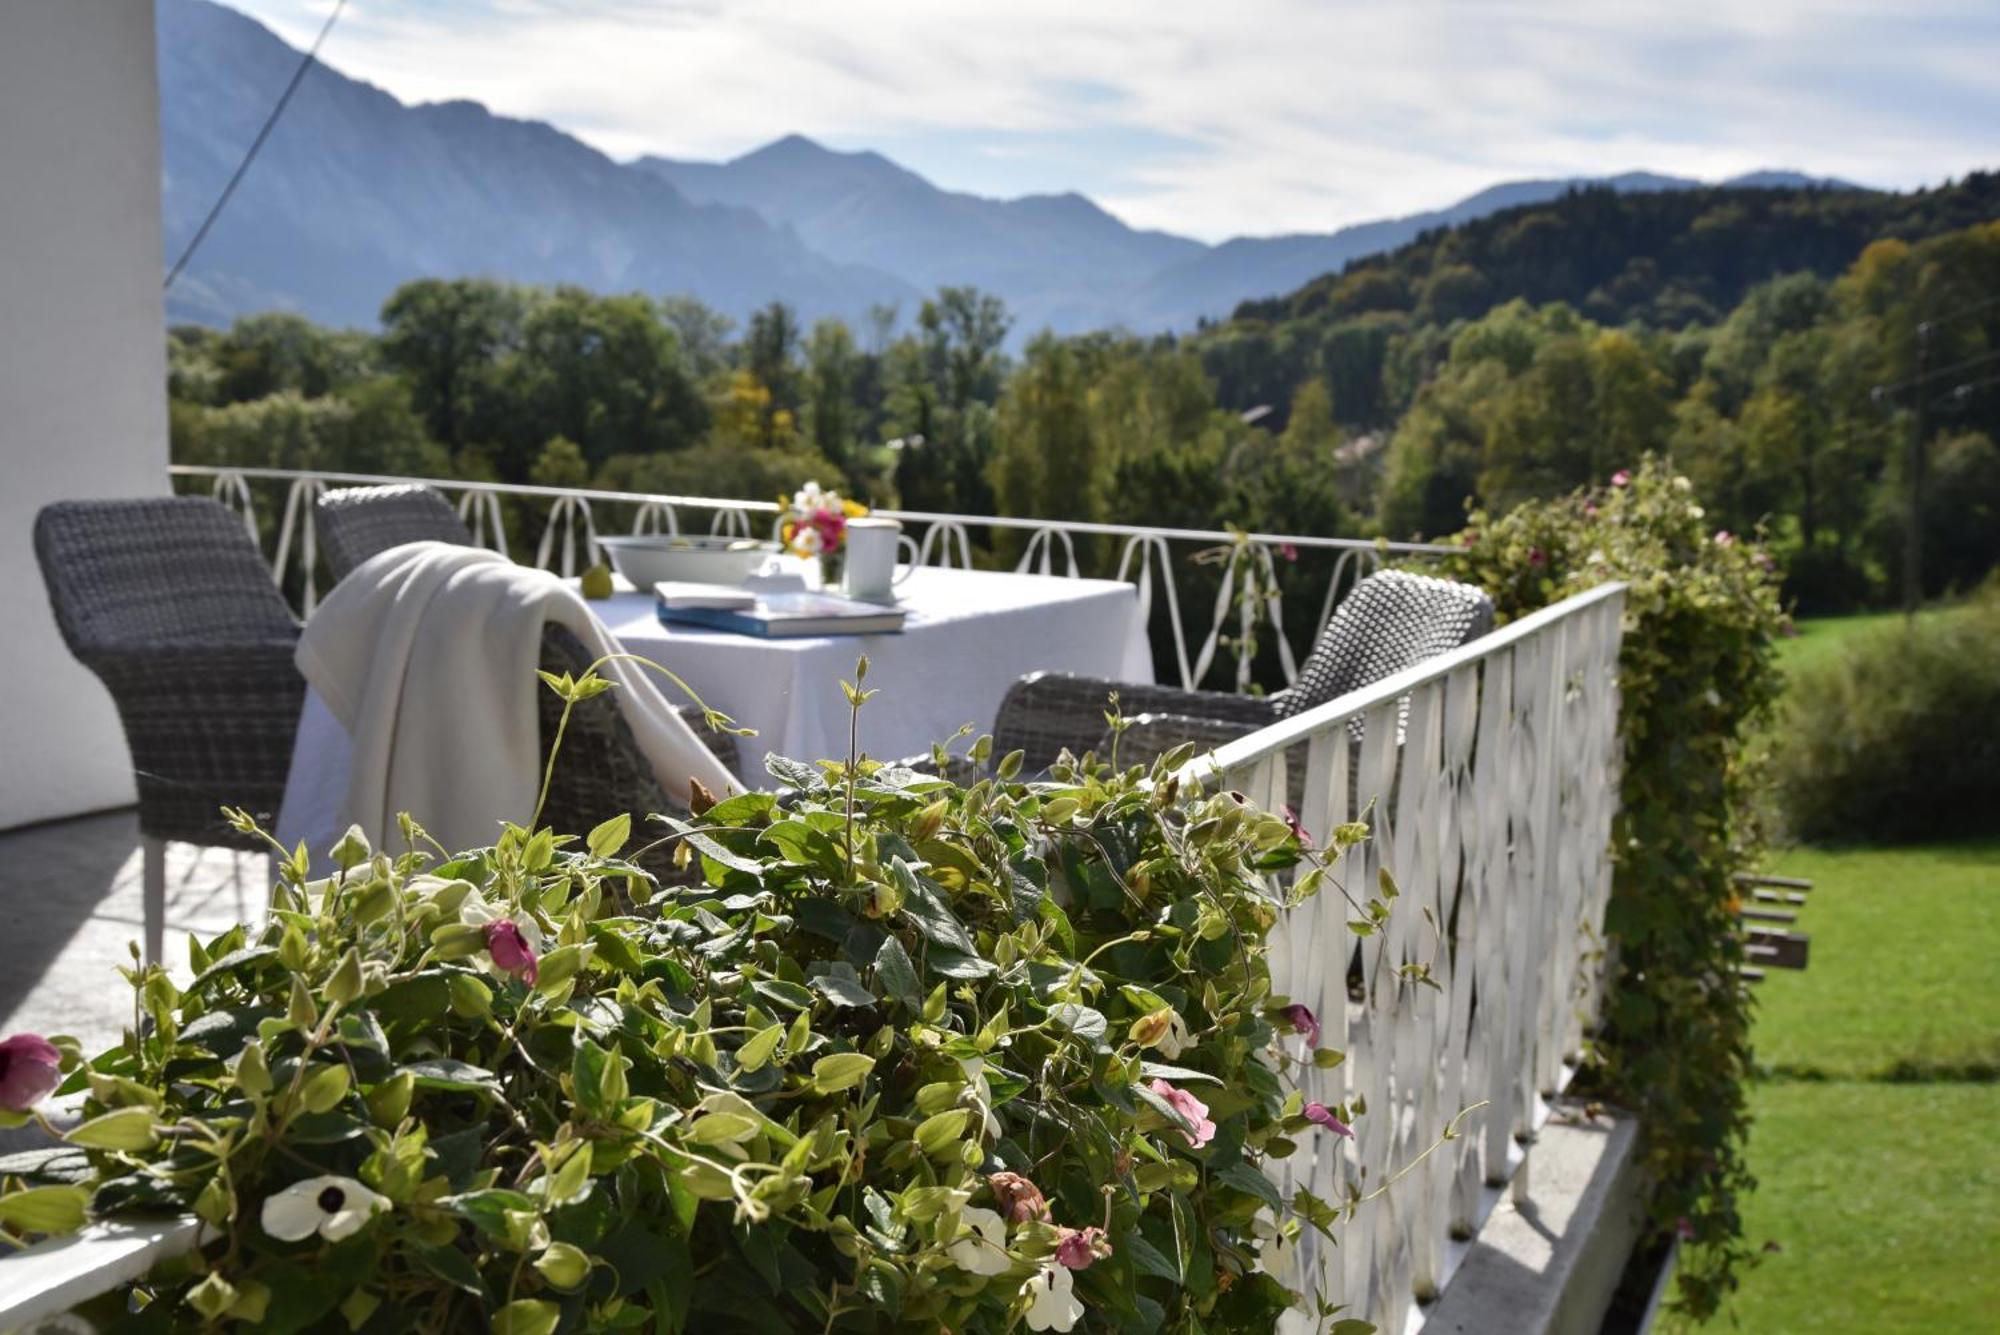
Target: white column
(82, 359)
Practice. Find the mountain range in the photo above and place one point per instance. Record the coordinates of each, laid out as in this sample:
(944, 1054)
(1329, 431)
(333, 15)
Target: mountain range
(356, 192)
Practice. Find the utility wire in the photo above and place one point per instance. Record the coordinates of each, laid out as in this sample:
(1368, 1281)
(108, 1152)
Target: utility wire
(270, 123)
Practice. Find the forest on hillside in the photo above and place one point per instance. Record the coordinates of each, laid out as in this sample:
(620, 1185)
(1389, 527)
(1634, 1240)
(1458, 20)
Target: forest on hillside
(1779, 345)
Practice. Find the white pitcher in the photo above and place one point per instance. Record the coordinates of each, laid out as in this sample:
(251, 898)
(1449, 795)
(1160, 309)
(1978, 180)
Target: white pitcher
(869, 570)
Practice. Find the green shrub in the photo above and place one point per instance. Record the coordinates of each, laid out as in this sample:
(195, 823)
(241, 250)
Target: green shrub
(900, 1056)
(1899, 737)
(1696, 681)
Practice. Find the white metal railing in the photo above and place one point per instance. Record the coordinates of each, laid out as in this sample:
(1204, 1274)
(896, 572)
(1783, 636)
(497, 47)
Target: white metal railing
(1489, 777)
(1146, 555)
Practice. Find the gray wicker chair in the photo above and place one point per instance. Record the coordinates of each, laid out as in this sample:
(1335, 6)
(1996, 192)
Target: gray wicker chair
(1389, 621)
(357, 522)
(601, 768)
(170, 603)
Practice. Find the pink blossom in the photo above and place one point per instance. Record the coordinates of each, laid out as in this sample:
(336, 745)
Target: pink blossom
(30, 1067)
(1304, 1021)
(1321, 1115)
(1622, 478)
(1724, 538)
(1292, 823)
(1289, 550)
(1537, 557)
(510, 950)
(1189, 1107)
(1467, 538)
(831, 525)
(1081, 1246)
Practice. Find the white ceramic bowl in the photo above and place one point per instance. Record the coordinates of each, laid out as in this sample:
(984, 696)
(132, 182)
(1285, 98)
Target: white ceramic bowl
(649, 558)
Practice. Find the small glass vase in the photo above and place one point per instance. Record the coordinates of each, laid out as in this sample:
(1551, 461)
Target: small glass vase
(831, 566)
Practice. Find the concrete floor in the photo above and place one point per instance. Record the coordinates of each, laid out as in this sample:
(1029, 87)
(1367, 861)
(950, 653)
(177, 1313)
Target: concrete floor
(70, 904)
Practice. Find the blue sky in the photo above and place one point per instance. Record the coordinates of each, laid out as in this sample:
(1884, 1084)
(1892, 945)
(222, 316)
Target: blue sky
(1220, 117)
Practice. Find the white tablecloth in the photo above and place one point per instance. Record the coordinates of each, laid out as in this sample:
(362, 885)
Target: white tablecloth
(969, 635)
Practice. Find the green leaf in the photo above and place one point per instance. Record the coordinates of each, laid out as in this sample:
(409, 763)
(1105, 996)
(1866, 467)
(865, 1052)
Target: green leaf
(45, 1209)
(452, 1266)
(924, 906)
(607, 839)
(1161, 1070)
(1147, 1258)
(324, 1088)
(758, 1048)
(941, 1132)
(447, 1073)
(1083, 1021)
(842, 990)
(1245, 1178)
(526, 1316)
(841, 1070)
(957, 964)
(125, 1129)
(897, 974)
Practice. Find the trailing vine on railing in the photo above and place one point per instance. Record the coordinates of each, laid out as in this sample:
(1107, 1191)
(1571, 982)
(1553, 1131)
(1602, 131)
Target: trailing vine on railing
(1696, 676)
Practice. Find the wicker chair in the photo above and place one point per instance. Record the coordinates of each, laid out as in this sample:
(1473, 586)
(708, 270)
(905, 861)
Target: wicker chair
(1390, 620)
(357, 522)
(171, 604)
(601, 767)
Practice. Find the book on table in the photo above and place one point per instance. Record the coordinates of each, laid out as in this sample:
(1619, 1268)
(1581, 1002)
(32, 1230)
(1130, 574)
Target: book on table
(776, 616)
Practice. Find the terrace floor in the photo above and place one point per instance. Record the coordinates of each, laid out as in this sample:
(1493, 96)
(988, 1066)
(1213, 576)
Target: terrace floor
(70, 903)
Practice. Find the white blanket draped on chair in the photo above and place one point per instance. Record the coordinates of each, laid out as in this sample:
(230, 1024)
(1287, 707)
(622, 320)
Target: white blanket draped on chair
(426, 657)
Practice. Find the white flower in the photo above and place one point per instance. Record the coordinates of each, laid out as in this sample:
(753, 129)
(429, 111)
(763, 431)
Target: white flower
(1051, 1304)
(1175, 1040)
(333, 1207)
(982, 1248)
(806, 541)
(474, 910)
(1277, 1250)
(975, 1076)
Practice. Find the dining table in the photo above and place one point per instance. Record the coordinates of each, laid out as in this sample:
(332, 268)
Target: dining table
(967, 636)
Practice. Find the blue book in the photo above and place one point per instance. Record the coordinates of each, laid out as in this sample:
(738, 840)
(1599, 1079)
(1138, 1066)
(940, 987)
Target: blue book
(779, 616)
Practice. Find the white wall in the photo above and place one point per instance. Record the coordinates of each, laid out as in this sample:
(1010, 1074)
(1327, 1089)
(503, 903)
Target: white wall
(82, 359)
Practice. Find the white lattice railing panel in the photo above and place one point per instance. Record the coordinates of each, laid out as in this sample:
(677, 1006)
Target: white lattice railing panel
(571, 518)
(1489, 778)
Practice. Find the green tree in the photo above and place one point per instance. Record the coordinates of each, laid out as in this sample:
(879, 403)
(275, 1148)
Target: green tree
(447, 336)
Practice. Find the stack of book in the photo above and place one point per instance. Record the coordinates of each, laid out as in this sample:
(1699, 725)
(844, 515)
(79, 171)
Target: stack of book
(774, 615)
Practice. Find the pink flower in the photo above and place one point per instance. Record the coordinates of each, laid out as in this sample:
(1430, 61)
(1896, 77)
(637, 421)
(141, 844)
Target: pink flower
(1080, 1246)
(831, 525)
(1189, 1107)
(1292, 824)
(1724, 538)
(1020, 1200)
(1622, 478)
(1321, 1115)
(1304, 1021)
(1467, 538)
(30, 1067)
(1537, 557)
(1684, 1228)
(1289, 550)
(510, 950)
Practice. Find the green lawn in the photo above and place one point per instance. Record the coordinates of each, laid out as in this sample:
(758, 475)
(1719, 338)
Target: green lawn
(1885, 1200)
(1905, 966)
(1877, 1122)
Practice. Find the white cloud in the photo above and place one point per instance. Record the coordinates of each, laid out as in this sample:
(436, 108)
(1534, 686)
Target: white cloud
(1251, 117)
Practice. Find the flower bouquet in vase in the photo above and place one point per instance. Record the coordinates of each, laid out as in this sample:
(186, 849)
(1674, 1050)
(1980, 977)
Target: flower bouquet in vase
(813, 525)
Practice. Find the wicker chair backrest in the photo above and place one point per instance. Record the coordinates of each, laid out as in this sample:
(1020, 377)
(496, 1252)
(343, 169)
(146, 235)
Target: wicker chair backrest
(1391, 620)
(169, 570)
(356, 523)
